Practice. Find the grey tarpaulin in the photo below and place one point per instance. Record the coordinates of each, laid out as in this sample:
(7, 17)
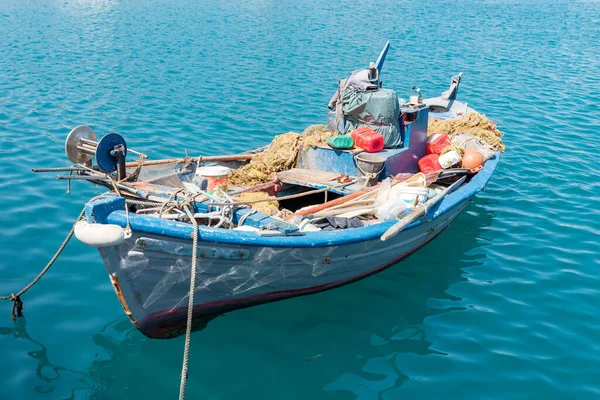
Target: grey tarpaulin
(379, 110)
(358, 102)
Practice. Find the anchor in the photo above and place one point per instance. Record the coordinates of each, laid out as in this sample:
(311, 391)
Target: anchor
(110, 151)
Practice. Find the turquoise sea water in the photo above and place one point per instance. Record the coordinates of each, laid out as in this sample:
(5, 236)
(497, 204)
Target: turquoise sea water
(504, 304)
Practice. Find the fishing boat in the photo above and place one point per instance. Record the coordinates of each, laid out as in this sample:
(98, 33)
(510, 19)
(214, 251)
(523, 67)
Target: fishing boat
(163, 234)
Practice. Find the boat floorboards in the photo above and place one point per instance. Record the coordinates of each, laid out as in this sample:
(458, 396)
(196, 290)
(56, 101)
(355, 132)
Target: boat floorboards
(311, 178)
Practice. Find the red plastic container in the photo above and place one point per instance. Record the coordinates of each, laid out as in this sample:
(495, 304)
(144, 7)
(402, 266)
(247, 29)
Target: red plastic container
(367, 139)
(429, 163)
(437, 142)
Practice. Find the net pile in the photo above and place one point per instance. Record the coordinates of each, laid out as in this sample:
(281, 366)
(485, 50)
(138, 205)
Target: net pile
(267, 207)
(280, 155)
(454, 147)
(473, 123)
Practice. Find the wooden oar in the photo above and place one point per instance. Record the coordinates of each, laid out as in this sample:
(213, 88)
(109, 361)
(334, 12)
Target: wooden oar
(235, 157)
(359, 194)
(346, 208)
(419, 211)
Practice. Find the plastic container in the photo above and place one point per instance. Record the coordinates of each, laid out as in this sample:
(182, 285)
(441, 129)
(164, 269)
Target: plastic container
(341, 142)
(367, 139)
(437, 142)
(383, 193)
(410, 195)
(306, 226)
(212, 178)
(429, 163)
(449, 159)
(391, 209)
(295, 220)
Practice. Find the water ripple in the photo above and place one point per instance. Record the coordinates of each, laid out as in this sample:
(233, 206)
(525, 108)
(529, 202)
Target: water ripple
(502, 305)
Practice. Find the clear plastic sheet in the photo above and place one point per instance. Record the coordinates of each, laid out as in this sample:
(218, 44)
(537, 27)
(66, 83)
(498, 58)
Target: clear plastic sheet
(159, 280)
(153, 271)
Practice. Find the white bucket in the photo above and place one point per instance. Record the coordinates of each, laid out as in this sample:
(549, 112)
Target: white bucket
(212, 178)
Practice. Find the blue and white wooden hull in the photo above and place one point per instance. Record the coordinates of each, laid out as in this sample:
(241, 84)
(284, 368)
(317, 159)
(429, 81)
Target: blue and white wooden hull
(151, 270)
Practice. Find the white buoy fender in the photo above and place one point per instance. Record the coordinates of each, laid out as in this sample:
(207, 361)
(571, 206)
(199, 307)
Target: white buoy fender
(100, 235)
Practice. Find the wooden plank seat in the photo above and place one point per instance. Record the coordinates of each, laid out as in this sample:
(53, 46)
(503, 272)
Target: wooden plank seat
(313, 179)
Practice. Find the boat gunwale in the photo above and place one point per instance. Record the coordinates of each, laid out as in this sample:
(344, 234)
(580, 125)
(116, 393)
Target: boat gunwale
(313, 239)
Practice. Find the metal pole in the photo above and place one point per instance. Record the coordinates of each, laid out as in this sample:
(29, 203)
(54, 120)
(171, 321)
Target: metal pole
(58, 169)
(86, 150)
(121, 171)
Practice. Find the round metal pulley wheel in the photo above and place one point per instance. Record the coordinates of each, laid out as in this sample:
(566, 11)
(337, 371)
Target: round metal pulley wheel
(106, 161)
(74, 154)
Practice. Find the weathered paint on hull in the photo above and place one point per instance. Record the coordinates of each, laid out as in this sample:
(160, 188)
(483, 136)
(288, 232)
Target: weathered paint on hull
(150, 271)
(152, 284)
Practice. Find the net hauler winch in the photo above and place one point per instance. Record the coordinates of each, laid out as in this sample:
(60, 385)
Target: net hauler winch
(110, 151)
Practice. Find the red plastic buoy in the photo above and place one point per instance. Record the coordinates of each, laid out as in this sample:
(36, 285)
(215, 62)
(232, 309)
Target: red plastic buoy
(367, 139)
(429, 163)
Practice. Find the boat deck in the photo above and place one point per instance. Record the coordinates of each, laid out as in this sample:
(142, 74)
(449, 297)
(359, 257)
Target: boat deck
(317, 179)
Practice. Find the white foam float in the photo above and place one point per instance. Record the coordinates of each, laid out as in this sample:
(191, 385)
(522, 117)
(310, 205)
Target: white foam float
(100, 235)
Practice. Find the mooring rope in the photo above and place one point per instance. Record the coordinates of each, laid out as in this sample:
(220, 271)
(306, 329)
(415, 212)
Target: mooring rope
(188, 328)
(17, 307)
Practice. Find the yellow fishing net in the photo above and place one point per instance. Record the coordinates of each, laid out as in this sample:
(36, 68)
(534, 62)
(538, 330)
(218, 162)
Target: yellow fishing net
(476, 124)
(266, 207)
(281, 155)
(315, 135)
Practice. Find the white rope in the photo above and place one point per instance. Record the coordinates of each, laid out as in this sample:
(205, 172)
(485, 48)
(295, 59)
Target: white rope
(188, 328)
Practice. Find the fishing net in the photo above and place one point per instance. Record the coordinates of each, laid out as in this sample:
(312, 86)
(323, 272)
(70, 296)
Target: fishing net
(473, 123)
(315, 135)
(453, 147)
(468, 141)
(267, 207)
(280, 155)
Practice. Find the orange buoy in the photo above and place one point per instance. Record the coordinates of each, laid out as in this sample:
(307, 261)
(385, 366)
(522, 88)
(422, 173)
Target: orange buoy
(472, 159)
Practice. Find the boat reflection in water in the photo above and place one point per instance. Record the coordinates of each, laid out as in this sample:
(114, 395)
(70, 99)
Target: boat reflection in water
(342, 341)
(52, 378)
